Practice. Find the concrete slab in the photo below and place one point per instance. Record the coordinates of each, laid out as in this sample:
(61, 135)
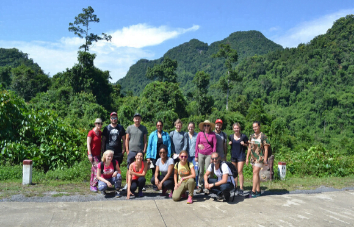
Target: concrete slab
(323, 209)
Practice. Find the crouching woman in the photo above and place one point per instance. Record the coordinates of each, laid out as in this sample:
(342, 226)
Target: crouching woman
(184, 172)
(108, 173)
(136, 176)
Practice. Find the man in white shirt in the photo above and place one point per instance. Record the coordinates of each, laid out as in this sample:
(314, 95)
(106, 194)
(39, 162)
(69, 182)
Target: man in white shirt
(224, 182)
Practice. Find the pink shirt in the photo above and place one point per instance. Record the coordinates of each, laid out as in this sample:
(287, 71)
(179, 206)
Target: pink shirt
(209, 146)
(107, 170)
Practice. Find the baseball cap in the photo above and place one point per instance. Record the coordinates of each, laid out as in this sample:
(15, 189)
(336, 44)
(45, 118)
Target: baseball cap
(218, 121)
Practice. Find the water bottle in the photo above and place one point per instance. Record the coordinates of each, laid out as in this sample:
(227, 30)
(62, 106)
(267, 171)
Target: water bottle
(196, 167)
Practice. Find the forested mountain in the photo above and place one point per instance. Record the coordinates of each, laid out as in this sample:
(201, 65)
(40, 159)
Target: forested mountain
(195, 56)
(14, 58)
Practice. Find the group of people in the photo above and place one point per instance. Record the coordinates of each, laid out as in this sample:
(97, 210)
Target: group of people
(180, 161)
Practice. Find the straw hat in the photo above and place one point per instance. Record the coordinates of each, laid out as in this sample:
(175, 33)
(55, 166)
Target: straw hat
(206, 122)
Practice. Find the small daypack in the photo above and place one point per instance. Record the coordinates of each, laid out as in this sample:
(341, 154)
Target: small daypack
(234, 172)
(176, 164)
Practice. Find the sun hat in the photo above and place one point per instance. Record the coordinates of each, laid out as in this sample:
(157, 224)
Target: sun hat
(218, 121)
(206, 122)
(98, 120)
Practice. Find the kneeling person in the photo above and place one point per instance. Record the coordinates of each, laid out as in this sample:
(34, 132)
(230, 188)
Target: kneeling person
(224, 183)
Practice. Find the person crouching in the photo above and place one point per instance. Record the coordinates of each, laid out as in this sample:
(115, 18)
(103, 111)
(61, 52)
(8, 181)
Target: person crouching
(224, 183)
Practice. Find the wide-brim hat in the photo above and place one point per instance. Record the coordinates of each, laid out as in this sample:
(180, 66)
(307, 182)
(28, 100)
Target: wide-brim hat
(206, 122)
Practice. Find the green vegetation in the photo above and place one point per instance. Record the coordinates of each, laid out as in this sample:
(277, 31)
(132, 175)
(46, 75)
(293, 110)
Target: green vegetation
(302, 96)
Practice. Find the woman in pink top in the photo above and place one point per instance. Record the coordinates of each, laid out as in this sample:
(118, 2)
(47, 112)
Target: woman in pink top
(94, 152)
(205, 146)
(136, 176)
(108, 173)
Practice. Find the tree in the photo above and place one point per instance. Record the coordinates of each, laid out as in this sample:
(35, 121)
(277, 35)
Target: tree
(204, 101)
(166, 71)
(230, 56)
(85, 19)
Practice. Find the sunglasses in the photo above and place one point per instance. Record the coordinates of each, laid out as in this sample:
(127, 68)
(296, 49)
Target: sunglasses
(206, 125)
(182, 156)
(214, 158)
(114, 118)
(98, 123)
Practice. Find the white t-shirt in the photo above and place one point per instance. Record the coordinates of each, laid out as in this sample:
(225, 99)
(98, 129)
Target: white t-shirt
(164, 167)
(225, 170)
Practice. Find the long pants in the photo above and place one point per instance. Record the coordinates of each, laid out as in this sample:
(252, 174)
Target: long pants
(116, 181)
(192, 159)
(140, 182)
(224, 188)
(203, 162)
(166, 185)
(93, 179)
(188, 185)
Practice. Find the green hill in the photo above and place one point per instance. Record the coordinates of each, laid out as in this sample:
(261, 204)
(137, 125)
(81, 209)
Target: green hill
(14, 58)
(195, 56)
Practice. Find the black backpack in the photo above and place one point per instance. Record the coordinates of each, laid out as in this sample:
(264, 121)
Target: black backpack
(114, 166)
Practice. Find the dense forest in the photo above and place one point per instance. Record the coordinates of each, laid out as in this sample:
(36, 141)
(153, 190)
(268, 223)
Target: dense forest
(302, 96)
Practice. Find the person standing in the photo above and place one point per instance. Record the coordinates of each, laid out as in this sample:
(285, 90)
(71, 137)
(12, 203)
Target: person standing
(94, 152)
(178, 140)
(191, 142)
(221, 138)
(205, 146)
(238, 143)
(258, 149)
(136, 140)
(112, 137)
(156, 139)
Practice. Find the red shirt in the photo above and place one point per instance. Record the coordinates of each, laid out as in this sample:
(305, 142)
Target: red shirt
(107, 170)
(95, 143)
(134, 177)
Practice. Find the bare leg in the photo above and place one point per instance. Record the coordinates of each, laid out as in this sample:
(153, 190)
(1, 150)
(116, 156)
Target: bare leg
(240, 173)
(235, 164)
(256, 185)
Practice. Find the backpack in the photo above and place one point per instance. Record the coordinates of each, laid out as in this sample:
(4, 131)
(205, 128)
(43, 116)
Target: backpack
(176, 164)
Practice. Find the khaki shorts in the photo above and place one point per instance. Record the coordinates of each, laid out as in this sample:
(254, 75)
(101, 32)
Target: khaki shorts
(259, 165)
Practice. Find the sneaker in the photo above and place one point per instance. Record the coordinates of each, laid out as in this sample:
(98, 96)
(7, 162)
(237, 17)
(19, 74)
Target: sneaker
(240, 192)
(220, 197)
(125, 188)
(93, 189)
(237, 192)
(144, 189)
(164, 192)
(190, 200)
(171, 193)
(118, 195)
(141, 194)
(199, 190)
(206, 192)
(253, 195)
(258, 194)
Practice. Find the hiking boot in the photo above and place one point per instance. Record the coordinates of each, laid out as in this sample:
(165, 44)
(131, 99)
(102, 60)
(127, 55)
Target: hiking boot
(118, 194)
(93, 189)
(253, 195)
(258, 194)
(226, 196)
(240, 192)
(199, 190)
(206, 192)
(144, 189)
(190, 200)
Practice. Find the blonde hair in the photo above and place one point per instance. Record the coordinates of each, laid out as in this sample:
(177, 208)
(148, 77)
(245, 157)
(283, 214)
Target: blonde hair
(105, 154)
(178, 121)
(238, 124)
(183, 151)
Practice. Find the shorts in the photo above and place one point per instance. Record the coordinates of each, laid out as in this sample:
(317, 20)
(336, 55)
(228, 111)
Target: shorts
(238, 160)
(257, 164)
(131, 158)
(241, 157)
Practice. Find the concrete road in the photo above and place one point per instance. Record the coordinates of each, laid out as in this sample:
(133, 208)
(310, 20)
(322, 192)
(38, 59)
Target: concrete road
(322, 209)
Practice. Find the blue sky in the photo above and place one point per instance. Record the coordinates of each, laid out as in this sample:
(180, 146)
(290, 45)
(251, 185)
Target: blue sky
(147, 29)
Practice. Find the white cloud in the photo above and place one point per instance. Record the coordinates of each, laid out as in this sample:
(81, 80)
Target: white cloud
(306, 31)
(116, 56)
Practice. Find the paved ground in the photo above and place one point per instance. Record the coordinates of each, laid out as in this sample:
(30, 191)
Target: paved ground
(321, 209)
